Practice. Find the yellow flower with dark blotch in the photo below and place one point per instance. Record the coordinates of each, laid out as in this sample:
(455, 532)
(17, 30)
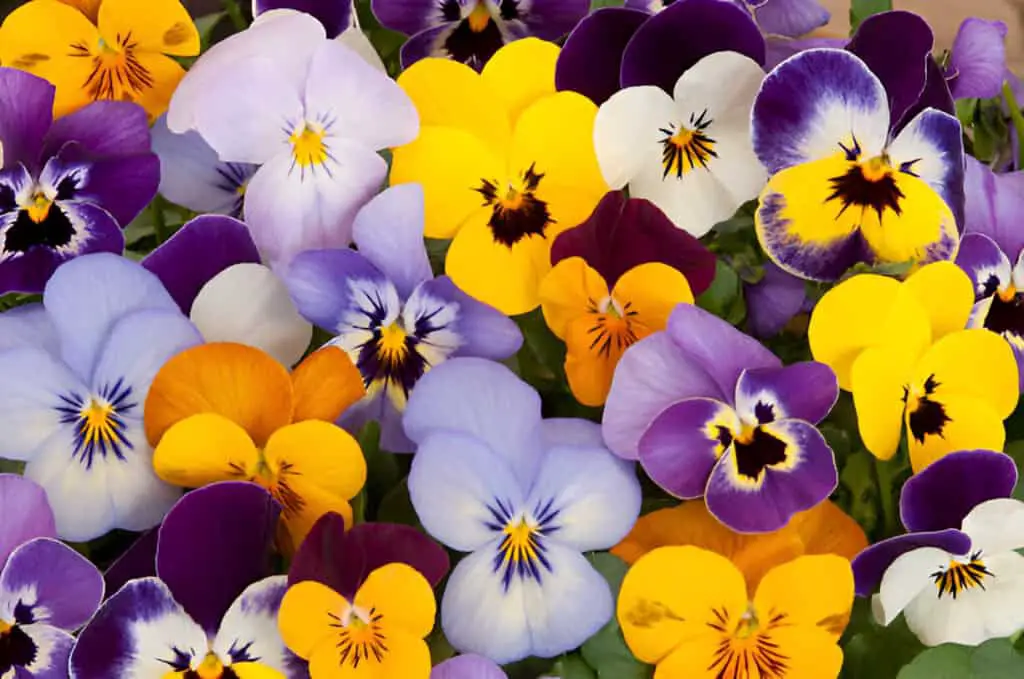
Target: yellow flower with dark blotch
(101, 49)
(506, 164)
(688, 611)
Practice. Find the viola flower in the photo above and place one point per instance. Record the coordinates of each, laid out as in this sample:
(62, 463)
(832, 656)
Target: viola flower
(229, 412)
(315, 113)
(506, 165)
(529, 495)
(787, 18)
(212, 269)
(956, 577)
(115, 326)
(690, 153)
(467, 666)
(616, 278)
(619, 47)
(976, 64)
(773, 301)
(335, 15)
(901, 350)
(124, 53)
(66, 187)
(210, 619)
(839, 191)
(472, 31)
(706, 627)
(992, 252)
(379, 632)
(388, 312)
(25, 500)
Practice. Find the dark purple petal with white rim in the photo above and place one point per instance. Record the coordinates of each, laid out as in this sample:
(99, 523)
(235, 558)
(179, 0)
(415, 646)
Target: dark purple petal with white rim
(805, 391)
(944, 492)
(103, 129)
(138, 561)
(335, 15)
(412, 16)
(978, 59)
(25, 500)
(66, 589)
(324, 283)
(773, 300)
(551, 19)
(197, 252)
(26, 112)
(988, 266)
(790, 18)
(232, 526)
(675, 39)
(483, 330)
(870, 565)
(590, 60)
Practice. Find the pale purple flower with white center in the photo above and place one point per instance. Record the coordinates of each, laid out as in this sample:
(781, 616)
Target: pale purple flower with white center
(390, 314)
(75, 415)
(977, 62)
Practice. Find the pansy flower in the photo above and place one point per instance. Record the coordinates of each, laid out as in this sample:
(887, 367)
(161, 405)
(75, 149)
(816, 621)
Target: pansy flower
(506, 165)
(47, 590)
(388, 312)
(531, 495)
(956, 577)
(211, 617)
(313, 116)
(378, 632)
(212, 269)
(843, 189)
(75, 416)
(786, 18)
(467, 666)
(901, 350)
(339, 19)
(774, 300)
(976, 64)
(992, 252)
(472, 31)
(67, 187)
(615, 279)
(126, 55)
(689, 611)
(226, 411)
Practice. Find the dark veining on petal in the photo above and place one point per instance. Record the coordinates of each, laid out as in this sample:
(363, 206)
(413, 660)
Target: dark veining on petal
(926, 417)
(685, 148)
(758, 451)
(98, 421)
(958, 577)
(516, 212)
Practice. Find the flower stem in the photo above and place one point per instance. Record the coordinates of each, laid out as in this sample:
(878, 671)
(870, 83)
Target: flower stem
(887, 497)
(1018, 121)
(159, 221)
(235, 13)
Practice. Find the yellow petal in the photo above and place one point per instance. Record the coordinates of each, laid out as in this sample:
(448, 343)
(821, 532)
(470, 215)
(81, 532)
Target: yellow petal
(809, 590)
(879, 376)
(451, 165)
(90, 8)
(204, 449)
(406, 657)
(325, 384)
(946, 293)
(162, 26)
(402, 597)
(308, 613)
(649, 292)
(861, 312)
(811, 652)
(522, 72)
(669, 595)
(242, 383)
(255, 670)
(977, 362)
(320, 454)
(298, 520)
(570, 290)
(692, 657)
(972, 424)
(449, 94)
(165, 74)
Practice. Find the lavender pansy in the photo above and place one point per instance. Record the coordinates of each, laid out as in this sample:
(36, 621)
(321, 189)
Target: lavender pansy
(67, 187)
(977, 63)
(388, 312)
(467, 667)
(533, 495)
(773, 301)
(221, 624)
(27, 513)
(335, 15)
(75, 416)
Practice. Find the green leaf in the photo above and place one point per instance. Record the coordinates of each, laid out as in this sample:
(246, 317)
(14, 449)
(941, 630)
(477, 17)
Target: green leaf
(995, 659)
(875, 652)
(862, 9)
(861, 494)
(606, 651)
(396, 507)
(725, 296)
(598, 4)
(573, 667)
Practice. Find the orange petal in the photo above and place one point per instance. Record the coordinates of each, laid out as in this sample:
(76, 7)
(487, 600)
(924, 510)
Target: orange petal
(242, 383)
(326, 383)
(827, 529)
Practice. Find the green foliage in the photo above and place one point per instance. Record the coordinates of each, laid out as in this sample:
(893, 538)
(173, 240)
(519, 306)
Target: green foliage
(862, 9)
(725, 296)
(875, 652)
(995, 659)
(606, 652)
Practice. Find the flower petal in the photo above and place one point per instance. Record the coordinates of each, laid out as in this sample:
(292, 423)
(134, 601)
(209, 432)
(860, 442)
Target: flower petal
(591, 58)
(405, 16)
(468, 666)
(29, 398)
(996, 526)
(305, 615)
(906, 578)
(402, 595)
(26, 110)
(28, 325)
(773, 301)
(57, 585)
(335, 15)
(627, 130)
(978, 59)
(992, 202)
(877, 381)
(249, 629)
(791, 18)
(523, 71)
(162, 26)
(810, 589)
(326, 284)
(389, 232)
(23, 498)
(870, 565)
(52, 647)
(980, 257)
(483, 330)
(974, 362)
(806, 391)
(326, 383)
(946, 295)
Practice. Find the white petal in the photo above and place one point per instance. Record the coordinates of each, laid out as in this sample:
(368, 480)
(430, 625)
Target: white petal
(737, 168)
(354, 38)
(29, 396)
(251, 624)
(908, 577)
(694, 202)
(996, 526)
(627, 132)
(249, 304)
(725, 83)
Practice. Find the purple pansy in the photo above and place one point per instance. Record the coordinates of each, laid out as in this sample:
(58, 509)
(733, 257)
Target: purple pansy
(786, 18)
(956, 575)
(977, 62)
(47, 589)
(178, 621)
(467, 667)
(389, 312)
(335, 15)
(67, 187)
(73, 410)
(773, 301)
(471, 31)
(992, 252)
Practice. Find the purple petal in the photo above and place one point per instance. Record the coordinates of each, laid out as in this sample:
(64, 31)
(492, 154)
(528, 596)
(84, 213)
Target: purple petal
(28, 514)
(26, 112)
(197, 252)
(102, 129)
(624, 232)
(232, 525)
(978, 59)
(780, 49)
(379, 407)
(552, 19)
(804, 391)
(591, 58)
(944, 492)
(66, 588)
(935, 95)
(896, 46)
(324, 283)
(53, 646)
(483, 330)
(681, 446)
(791, 18)
(675, 39)
(138, 561)
(870, 565)
(467, 667)
(123, 186)
(773, 300)
(409, 16)
(722, 350)
(342, 561)
(981, 259)
(752, 500)
(993, 205)
(389, 233)
(430, 42)
(335, 15)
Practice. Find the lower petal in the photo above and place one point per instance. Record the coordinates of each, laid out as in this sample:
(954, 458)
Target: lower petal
(407, 656)
(315, 453)
(809, 590)
(248, 631)
(59, 586)
(402, 596)
(972, 424)
(165, 73)
(805, 391)
(52, 648)
(811, 652)
(203, 449)
(483, 330)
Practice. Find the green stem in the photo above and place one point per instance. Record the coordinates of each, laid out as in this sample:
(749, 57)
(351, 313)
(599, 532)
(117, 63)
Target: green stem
(234, 12)
(1018, 121)
(159, 222)
(884, 477)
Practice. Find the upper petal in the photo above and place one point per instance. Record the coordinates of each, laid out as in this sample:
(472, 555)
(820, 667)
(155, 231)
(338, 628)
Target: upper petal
(591, 58)
(335, 15)
(805, 391)
(467, 666)
(326, 285)
(389, 232)
(522, 72)
(56, 584)
(996, 526)
(977, 61)
(26, 111)
(25, 499)
(791, 18)
(163, 26)
(809, 589)
(28, 325)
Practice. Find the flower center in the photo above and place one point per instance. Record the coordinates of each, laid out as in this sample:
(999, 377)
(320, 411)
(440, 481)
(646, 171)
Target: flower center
(39, 208)
(116, 70)
(392, 347)
(960, 576)
(522, 552)
(360, 637)
(308, 146)
(746, 648)
(210, 668)
(275, 478)
(1006, 314)
(868, 184)
(16, 647)
(756, 449)
(516, 212)
(475, 37)
(685, 148)
(98, 421)
(479, 17)
(925, 416)
(614, 328)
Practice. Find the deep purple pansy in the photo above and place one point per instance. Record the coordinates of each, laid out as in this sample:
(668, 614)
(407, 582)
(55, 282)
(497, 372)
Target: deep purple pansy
(468, 666)
(784, 18)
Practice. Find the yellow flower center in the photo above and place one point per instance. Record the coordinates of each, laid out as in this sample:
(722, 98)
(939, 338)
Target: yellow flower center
(361, 638)
(392, 346)
(210, 668)
(308, 146)
(275, 478)
(1008, 294)
(876, 169)
(615, 328)
(516, 211)
(520, 543)
(961, 576)
(5, 627)
(39, 208)
(747, 648)
(479, 17)
(116, 71)
(685, 148)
